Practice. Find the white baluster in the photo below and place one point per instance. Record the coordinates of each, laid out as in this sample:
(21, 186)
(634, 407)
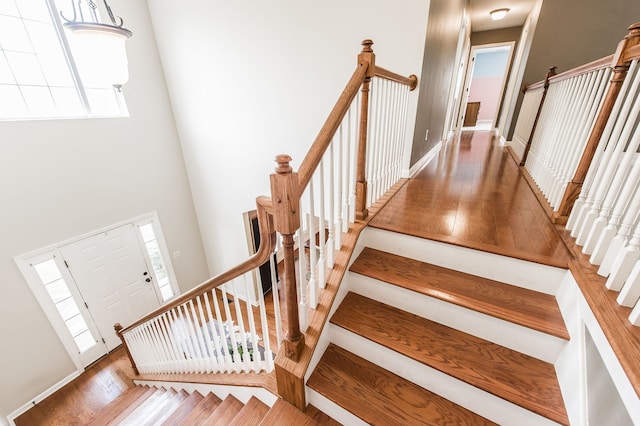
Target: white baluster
(630, 200)
(236, 363)
(634, 317)
(207, 336)
(267, 362)
(623, 264)
(339, 188)
(331, 245)
(322, 236)
(256, 362)
(619, 135)
(227, 325)
(177, 354)
(630, 292)
(216, 330)
(619, 178)
(584, 126)
(313, 281)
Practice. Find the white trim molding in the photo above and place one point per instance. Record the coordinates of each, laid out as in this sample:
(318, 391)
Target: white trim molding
(422, 163)
(39, 398)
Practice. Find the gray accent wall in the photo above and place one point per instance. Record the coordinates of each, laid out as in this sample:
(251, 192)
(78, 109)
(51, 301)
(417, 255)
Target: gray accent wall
(443, 28)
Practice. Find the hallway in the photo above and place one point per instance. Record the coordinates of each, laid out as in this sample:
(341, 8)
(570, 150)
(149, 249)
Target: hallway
(473, 195)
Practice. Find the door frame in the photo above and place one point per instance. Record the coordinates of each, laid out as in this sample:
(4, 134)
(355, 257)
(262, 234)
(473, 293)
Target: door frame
(25, 261)
(469, 76)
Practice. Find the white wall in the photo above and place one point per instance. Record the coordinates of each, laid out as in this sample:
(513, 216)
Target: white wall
(63, 178)
(249, 80)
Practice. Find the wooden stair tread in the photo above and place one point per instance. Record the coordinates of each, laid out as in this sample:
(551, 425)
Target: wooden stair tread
(115, 407)
(251, 414)
(149, 408)
(378, 396)
(224, 413)
(168, 408)
(510, 375)
(518, 305)
(148, 393)
(184, 409)
(202, 411)
(282, 413)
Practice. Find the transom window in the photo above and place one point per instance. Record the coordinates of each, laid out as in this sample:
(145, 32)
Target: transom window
(38, 76)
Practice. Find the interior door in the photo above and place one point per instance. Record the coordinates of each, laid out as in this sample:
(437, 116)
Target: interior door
(111, 274)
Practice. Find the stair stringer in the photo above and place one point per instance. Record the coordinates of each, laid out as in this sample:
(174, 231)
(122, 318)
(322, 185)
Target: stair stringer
(242, 393)
(324, 339)
(474, 399)
(520, 273)
(504, 333)
(571, 366)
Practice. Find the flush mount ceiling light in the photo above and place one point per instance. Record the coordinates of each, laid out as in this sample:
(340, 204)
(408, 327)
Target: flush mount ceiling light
(499, 14)
(99, 47)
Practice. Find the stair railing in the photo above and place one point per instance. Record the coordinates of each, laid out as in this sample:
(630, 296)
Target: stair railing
(601, 201)
(565, 120)
(209, 329)
(358, 155)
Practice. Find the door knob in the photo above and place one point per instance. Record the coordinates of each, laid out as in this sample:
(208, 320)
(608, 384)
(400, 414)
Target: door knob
(148, 280)
(145, 273)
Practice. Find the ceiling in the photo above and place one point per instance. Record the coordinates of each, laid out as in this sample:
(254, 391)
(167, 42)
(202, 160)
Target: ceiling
(481, 21)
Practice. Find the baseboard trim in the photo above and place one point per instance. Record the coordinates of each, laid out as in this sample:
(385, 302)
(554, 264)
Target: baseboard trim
(39, 398)
(426, 159)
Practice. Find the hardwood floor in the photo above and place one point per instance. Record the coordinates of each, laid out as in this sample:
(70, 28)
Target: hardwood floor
(77, 402)
(474, 196)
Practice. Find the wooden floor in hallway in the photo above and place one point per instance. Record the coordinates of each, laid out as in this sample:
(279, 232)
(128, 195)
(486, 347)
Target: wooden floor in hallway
(473, 195)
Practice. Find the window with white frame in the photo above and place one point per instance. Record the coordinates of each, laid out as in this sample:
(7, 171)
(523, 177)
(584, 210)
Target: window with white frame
(39, 78)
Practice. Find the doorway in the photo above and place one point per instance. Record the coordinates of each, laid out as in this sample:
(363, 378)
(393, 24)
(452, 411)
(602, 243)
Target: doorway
(113, 279)
(88, 283)
(484, 88)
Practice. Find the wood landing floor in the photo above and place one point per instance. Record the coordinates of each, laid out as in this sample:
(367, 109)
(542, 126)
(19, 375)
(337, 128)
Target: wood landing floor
(474, 196)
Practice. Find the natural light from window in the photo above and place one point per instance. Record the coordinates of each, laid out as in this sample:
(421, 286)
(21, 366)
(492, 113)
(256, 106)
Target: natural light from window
(58, 291)
(38, 77)
(159, 270)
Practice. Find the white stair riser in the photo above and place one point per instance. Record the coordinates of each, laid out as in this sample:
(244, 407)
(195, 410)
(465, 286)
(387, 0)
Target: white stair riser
(480, 402)
(529, 275)
(522, 339)
(333, 410)
(242, 393)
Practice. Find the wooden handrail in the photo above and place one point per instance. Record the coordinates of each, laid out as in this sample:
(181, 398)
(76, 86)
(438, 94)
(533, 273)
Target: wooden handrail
(267, 246)
(411, 81)
(621, 62)
(605, 62)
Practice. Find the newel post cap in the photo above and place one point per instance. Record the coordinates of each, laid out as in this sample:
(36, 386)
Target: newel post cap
(283, 161)
(366, 45)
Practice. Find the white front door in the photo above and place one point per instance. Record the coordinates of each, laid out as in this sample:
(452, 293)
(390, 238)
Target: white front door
(113, 278)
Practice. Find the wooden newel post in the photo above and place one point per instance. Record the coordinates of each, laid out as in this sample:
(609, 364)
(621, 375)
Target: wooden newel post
(286, 206)
(118, 328)
(365, 58)
(621, 64)
(550, 73)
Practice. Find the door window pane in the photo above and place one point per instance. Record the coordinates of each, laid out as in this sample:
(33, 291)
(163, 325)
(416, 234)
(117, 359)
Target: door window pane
(67, 307)
(159, 270)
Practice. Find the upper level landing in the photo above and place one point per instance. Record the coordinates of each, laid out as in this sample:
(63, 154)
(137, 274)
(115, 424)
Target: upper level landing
(473, 195)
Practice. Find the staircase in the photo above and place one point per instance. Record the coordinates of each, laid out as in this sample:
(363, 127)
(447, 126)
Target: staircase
(416, 341)
(144, 405)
